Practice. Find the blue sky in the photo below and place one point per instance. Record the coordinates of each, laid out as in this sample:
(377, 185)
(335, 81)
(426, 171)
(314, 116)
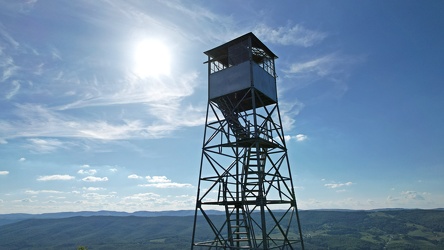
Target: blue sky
(84, 127)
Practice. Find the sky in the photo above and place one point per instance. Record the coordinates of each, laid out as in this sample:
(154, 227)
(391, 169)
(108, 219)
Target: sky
(102, 103)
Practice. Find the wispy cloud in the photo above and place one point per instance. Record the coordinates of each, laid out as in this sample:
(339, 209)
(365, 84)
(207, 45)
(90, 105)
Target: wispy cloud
(55, 54)
(333, 69)
(27, 200)
(200, 19)
(133, 89)
(56, 177)
(163, 182)
(289, 109)
(298, 137)
(98, 197)
(413, 195)
(150, 16)
(39, 121)
(156, 201)
(107, 82)
(321, 66)
(39, 69)
(410, 198)
(44, 145)
(93, 188)
(142, 197)
(87, 172)
(7, 37)
(19, 6)
(330, 65)
(301, 137)
(134, 176)
(157, 179)
(8, 67)
(168, 185)
(163, 101)
(35, 192)
(392, 199)
(318, 66)
(338, 185)
(3, 172)
(94, 179)
(162, 96)
(289, 35)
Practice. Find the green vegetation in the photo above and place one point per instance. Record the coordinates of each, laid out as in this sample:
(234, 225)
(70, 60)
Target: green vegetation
(389, 229)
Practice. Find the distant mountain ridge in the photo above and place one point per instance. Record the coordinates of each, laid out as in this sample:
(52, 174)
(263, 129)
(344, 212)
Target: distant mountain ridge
(322, 229)
(16, 217)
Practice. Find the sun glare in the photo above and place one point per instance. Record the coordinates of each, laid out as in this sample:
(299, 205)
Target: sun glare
(152, 58)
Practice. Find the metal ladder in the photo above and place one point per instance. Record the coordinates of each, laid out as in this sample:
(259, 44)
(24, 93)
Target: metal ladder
(254, 164)
(238, 226)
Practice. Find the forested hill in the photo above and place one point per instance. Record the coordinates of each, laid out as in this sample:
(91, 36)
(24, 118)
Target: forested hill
(322, 229)
(11, 218)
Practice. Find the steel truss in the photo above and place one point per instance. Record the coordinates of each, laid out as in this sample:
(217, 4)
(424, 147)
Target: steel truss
(245, 172)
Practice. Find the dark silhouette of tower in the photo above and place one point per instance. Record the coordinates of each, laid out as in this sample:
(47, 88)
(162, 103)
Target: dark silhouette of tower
(244, 171)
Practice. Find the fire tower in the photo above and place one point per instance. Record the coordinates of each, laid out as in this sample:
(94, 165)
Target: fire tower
(244, 171)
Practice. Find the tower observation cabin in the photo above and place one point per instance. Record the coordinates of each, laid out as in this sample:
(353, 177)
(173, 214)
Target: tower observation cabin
(240, 65)
(244, 171)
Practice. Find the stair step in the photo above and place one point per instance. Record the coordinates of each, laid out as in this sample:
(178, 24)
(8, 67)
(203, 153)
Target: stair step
(252, 183)
(240, 233)
(238, 226)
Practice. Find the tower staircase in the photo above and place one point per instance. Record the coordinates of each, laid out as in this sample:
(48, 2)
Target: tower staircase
(234, 119)
(238, 225)
(253, 166)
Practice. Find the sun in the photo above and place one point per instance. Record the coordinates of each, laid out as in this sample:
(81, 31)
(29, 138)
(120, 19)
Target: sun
(151, 58)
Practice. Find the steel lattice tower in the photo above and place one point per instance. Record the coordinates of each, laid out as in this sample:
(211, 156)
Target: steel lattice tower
(244, 169)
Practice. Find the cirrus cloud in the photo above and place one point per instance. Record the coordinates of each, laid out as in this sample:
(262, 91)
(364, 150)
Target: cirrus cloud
(158, 179)
(298, 137)
(338, 185)
(87, 172)
(290, 35)
(163, 182)
(4, 172)
(134, 176)
(44, 145)
(56, 177)
(413, 195)
(94, 179)
(35, 192)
